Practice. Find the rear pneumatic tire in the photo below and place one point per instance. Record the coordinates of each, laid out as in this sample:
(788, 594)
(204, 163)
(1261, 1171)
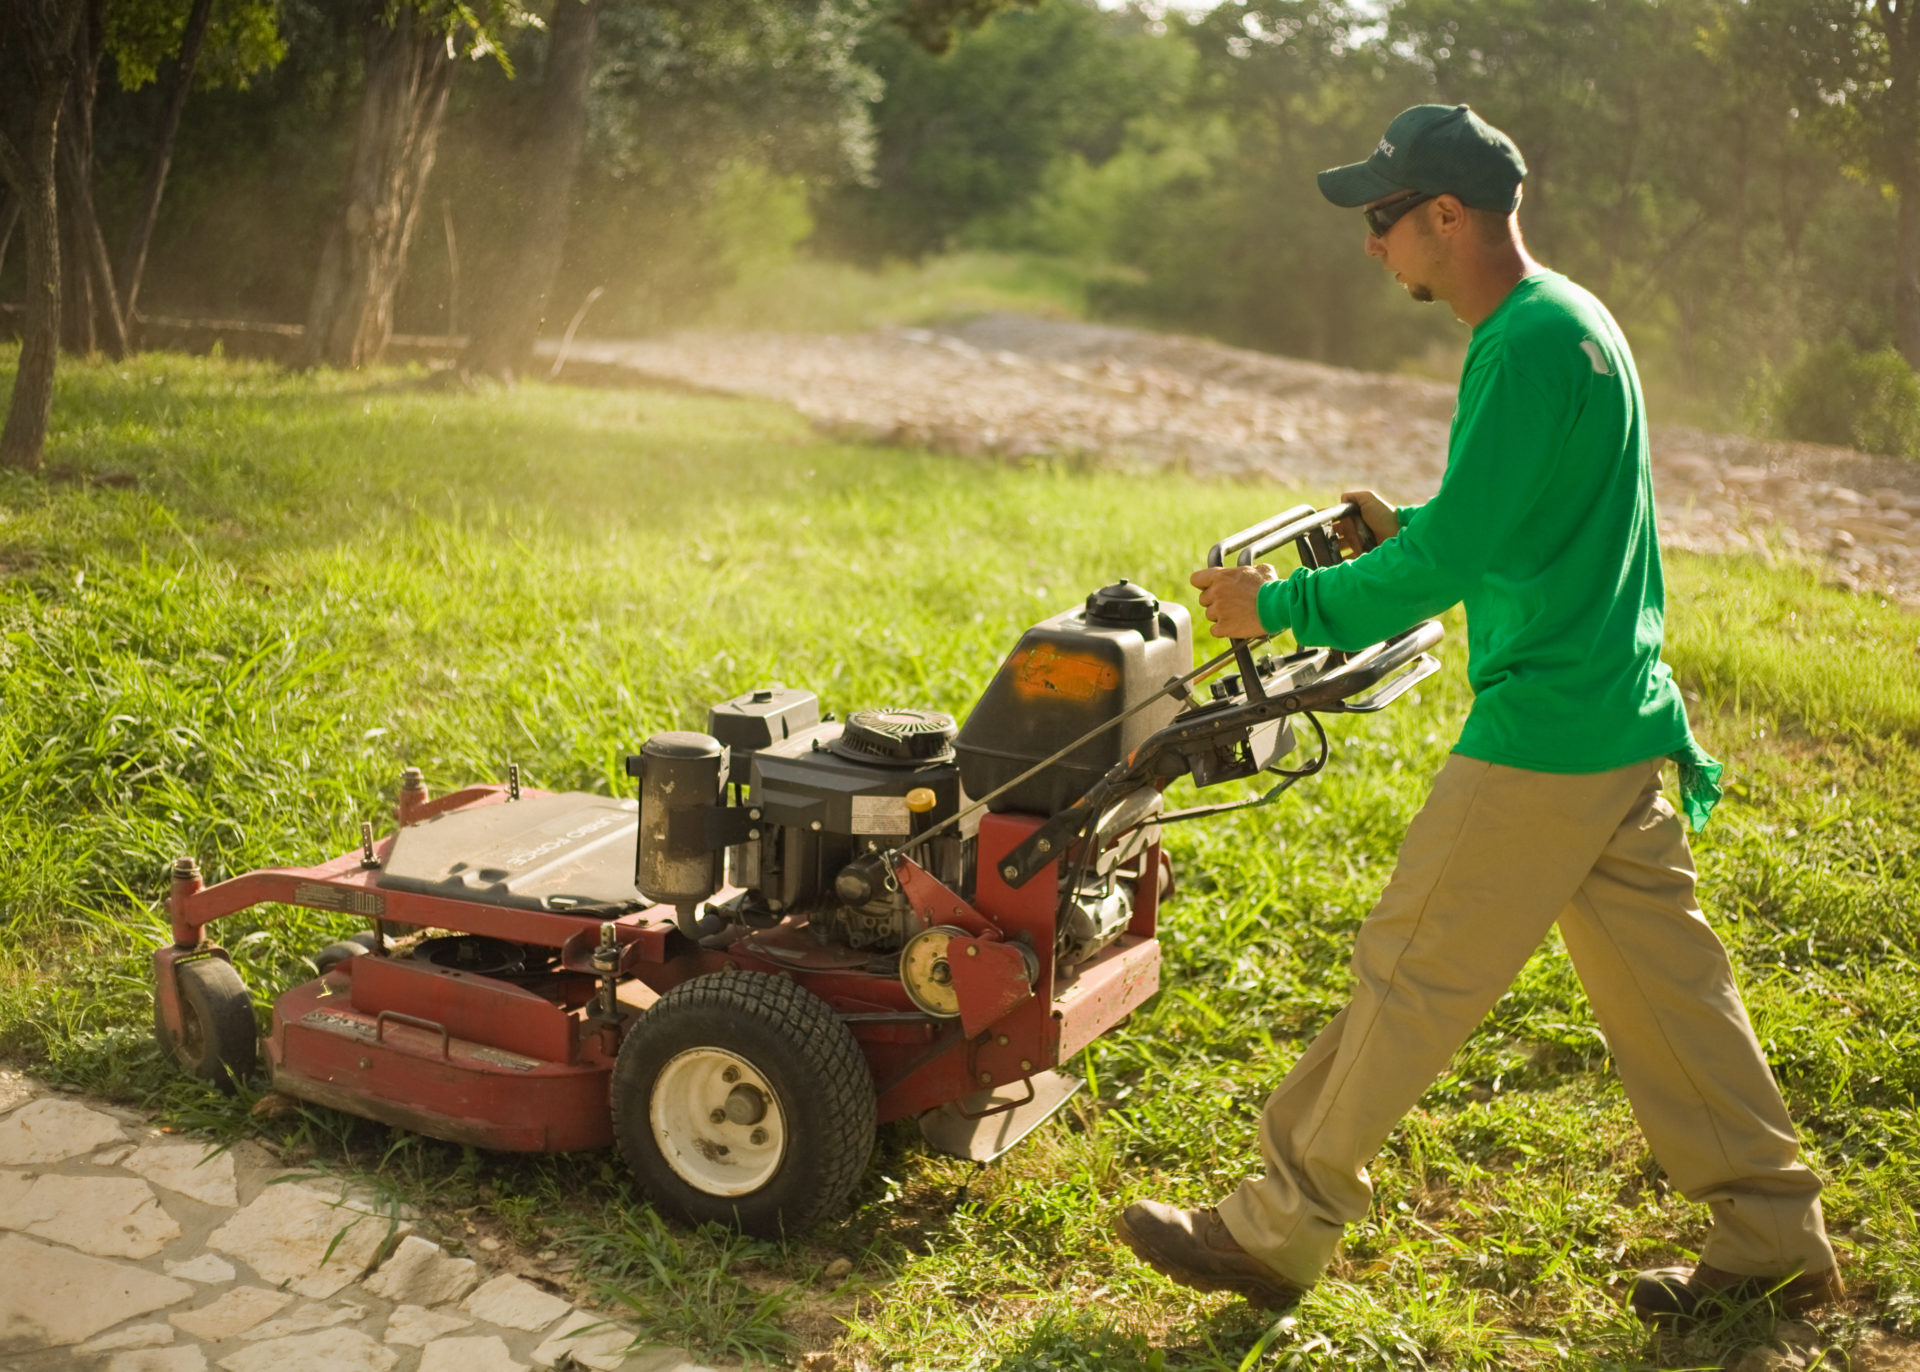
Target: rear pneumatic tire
(740, 1097)
(217, 1041)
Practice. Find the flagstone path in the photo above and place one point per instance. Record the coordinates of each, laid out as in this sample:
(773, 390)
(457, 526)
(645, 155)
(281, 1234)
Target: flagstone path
(128, 1250)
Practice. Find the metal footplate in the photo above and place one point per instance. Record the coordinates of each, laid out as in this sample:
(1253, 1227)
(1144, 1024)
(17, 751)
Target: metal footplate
(986, 1124)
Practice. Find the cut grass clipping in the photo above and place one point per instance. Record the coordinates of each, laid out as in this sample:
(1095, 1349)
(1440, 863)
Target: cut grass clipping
(242, 600)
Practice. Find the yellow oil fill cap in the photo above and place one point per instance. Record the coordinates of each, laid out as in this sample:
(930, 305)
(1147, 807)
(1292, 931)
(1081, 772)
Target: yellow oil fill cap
(921, 799)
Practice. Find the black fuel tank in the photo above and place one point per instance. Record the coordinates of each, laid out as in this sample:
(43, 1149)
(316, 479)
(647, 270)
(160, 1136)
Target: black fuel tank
(1068, 674)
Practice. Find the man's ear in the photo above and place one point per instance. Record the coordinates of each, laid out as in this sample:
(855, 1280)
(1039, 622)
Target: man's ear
(1449, 216)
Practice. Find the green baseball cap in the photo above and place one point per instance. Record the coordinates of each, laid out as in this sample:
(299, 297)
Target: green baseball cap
(1438, 149)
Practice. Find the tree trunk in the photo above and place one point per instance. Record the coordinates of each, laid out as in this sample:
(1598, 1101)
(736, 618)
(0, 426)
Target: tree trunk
(1903, 95)
(507, 319)
(76, 291)
(105, 323)
(40, 35)
(409, 73)
(92, 305)
(133, 265)
(9, 221)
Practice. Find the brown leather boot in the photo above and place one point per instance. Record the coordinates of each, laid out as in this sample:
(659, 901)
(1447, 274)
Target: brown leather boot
(1194, 1248)
(1678, 1293)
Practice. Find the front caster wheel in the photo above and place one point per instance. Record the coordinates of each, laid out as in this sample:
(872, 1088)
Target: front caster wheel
(217, 1041)
(740, 1097)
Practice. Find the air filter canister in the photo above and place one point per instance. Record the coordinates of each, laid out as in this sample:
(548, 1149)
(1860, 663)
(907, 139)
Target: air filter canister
(680, 782)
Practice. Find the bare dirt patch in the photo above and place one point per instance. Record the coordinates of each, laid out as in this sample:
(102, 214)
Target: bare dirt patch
(1015, 386)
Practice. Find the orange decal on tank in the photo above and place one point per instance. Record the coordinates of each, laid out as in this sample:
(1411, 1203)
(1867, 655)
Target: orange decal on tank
(1043, 670)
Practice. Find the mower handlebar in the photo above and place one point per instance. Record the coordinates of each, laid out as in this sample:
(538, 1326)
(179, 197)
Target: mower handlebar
(1286, 527)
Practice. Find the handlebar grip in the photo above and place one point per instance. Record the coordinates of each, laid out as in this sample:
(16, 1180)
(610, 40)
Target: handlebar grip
(1285, 527)
(1363, 539)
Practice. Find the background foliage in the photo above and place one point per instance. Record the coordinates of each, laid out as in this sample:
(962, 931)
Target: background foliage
(1721, 172)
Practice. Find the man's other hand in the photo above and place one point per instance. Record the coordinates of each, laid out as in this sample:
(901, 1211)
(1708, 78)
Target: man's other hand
(1379, 515)
(1231, 598)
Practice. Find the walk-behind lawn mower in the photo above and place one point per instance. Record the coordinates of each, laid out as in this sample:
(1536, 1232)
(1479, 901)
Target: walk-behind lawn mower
(799, 929)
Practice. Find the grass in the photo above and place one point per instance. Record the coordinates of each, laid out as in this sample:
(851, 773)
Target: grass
(817, 295)
(244, 599)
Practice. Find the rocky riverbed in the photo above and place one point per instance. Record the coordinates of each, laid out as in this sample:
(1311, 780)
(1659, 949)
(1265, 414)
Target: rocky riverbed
(1016, 386)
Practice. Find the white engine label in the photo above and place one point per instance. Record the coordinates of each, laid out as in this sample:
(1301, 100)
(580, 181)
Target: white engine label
(881, 815)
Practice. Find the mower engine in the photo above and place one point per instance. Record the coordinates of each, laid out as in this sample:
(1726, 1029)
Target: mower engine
(800, 815)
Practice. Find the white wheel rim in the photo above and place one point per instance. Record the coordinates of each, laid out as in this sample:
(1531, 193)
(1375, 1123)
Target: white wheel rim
(728, 1156)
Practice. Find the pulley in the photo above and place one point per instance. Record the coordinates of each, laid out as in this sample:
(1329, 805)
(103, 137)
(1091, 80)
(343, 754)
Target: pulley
(926, 973)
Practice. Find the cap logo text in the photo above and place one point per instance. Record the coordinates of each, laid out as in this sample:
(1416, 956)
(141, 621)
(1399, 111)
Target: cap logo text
(1386, 147)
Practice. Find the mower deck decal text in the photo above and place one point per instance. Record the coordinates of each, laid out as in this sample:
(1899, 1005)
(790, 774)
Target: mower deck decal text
(521, 859)
(317, 896)
(1043, 670)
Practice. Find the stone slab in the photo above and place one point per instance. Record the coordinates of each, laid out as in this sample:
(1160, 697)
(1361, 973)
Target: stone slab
(193, 1170)
(208, 1269)
(286, 1231)
(53, 1297)
(477, 1354)
(15, 1089)
(109, 1217)
(231, 1312)
(305, 1318)
(417, 1326)
(590, 1339)
(48, 1130)
(328, 1350)
(186, 1358)
(514, 1304)
(133, 1336)
(423, 1273)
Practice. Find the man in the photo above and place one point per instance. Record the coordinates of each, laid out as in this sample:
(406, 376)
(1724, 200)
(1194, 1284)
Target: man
(1549, 808)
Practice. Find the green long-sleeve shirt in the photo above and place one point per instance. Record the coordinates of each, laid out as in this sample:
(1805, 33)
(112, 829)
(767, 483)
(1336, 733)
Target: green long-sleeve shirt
(1544, 527)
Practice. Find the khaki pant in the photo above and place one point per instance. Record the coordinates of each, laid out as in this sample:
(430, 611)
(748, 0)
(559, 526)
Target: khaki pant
(1495, 856)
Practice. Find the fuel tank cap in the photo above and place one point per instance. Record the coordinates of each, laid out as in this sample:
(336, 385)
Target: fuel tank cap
(1124, 605)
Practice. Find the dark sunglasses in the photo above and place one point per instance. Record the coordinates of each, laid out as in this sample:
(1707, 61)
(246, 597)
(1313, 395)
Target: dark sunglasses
(1384, 216)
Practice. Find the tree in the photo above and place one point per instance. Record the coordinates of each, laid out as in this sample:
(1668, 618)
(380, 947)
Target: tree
(972, 132)
(133, 262)
(1855, 64)
(36, 68)
(411, 53)
(90, 302)
(694, 110)
(409, 71)
(224, 50)
(541, 203)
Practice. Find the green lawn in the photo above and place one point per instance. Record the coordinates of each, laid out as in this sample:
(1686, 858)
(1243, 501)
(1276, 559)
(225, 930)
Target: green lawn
(242, 599)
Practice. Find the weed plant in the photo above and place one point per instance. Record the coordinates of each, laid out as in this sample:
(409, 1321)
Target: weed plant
(241, 600)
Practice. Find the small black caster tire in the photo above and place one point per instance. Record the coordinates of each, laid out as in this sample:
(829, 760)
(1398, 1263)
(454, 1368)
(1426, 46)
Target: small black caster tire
(217, 1041)
(334, 954)
(741, 1098)
(367, 939)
